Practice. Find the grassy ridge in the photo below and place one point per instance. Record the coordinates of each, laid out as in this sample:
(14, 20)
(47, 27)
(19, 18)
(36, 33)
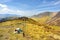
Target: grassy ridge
(33, 29)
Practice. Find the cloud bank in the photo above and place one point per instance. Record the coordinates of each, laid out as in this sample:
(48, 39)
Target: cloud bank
(27, 9)
(4, 9)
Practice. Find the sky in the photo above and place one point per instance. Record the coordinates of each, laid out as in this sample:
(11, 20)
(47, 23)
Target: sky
(28, 7)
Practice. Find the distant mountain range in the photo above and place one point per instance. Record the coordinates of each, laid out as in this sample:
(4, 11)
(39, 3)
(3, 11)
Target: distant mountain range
(8, 15)
(4, 17)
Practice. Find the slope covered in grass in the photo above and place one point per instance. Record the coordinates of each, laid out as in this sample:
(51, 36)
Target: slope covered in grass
(32, 29)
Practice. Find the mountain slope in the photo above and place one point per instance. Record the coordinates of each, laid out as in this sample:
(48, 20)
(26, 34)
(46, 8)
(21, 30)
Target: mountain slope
(31, 29)
(50, 14)
(20, 18)
(55, 20)
(44, 17)
(51, 18)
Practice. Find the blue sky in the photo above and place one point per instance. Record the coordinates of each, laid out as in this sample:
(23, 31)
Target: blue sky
(28, 7)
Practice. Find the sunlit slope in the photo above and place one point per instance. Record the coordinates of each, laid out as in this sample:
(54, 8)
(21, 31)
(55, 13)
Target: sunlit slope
(42, 20)
(32, 29)
(51, 18)
(7, 30)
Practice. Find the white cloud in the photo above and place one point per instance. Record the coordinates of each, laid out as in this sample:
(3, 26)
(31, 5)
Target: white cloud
(58, 2)
(47, 4)
(5, 9)
(25, 13)
(2, 5)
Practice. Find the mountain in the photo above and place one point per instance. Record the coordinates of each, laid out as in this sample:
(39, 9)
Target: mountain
(32, 21)
(5, 17)
(31, 30)
(8, 15)
(51, 18)
(55, 20)
(50, 14)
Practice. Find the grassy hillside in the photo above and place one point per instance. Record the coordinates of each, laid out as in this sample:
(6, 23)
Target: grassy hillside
(34, 29)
